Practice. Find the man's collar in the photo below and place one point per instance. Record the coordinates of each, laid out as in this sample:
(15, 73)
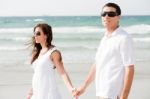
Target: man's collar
(113, 33)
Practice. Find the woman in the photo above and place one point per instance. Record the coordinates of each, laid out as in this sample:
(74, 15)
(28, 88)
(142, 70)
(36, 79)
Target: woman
(45, 58)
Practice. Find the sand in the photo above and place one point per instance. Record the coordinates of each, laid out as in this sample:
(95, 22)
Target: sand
(16, 80)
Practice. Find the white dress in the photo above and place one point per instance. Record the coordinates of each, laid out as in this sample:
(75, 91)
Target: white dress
(44, 79)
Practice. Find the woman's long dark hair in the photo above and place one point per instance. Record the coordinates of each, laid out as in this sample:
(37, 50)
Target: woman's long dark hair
(47, 30)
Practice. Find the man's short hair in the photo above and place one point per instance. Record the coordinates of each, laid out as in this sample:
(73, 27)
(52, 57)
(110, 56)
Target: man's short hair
(114, 5)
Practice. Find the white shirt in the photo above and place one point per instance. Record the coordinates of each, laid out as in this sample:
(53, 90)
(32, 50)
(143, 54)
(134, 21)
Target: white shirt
(114, 53)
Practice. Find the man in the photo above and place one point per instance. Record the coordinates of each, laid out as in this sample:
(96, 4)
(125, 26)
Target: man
(114, 62)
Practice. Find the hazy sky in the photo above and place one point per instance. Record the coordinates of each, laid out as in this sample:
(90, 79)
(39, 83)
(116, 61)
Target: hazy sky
(69, 7)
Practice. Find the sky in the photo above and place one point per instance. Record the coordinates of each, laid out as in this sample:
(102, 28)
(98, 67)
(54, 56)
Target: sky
(69, 7)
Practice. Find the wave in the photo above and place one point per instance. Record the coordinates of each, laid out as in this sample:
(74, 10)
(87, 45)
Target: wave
(35, 20)
(76, 47)
(144, 39)
(63, 47)
(7, 48)
(69, 46)
(68, 39)
(138, 29)
(82, 29)
(15, 38)
(15, 30)
(38, 20)
(134, 29)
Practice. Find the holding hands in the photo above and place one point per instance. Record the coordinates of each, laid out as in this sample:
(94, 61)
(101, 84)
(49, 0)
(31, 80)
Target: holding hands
(77, 92)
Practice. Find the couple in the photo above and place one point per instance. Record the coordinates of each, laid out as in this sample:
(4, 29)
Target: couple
(113, 69)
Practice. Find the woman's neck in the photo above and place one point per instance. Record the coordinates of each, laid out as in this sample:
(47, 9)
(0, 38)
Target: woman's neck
(43, 45)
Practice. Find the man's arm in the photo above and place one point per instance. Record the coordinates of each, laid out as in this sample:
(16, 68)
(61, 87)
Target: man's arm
(88, 81)
(129, 74)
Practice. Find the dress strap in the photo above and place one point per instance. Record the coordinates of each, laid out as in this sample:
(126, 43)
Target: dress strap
(51, 50)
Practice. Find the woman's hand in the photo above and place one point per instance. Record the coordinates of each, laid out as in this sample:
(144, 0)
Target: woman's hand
(29, 95)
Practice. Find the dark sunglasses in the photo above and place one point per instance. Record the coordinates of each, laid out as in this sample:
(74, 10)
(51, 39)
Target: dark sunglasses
(110, 14)
(37, 33)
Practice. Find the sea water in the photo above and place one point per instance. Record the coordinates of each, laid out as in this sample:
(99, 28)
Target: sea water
(76, 36)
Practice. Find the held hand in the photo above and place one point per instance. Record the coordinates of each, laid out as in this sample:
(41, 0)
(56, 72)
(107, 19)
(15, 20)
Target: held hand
(80, 90)
(74, 93)
(29, 96)
(30, 93)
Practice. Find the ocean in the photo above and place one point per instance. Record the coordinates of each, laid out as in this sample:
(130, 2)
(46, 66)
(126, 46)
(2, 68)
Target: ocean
(77, 37)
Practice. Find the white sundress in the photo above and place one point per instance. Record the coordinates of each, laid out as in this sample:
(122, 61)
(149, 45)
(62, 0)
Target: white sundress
(44, 79)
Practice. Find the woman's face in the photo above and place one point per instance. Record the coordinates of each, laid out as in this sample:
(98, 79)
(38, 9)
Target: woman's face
(40, 37)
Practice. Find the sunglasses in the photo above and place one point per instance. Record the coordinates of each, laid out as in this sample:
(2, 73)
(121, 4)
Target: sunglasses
(37, 33)
(110, 14)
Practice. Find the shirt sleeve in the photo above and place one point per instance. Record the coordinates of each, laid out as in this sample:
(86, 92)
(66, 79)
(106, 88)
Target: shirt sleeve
(127, 51)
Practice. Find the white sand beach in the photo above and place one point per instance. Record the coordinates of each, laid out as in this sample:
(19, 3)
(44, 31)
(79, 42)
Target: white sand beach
(14, 82)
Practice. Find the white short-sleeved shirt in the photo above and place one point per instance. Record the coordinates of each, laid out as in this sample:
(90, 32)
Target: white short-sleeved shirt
(113, 55)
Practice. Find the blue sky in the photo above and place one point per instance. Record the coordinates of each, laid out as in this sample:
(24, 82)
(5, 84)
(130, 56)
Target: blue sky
(69, 7)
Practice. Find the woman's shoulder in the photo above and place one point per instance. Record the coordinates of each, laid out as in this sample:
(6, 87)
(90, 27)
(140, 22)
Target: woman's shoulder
(55, 54)
(53, 49)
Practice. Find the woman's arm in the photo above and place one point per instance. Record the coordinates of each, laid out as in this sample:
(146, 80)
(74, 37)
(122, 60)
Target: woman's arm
(57, 60)
(30, 93)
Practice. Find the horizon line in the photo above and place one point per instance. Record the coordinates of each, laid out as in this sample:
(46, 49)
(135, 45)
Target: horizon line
(62, 15)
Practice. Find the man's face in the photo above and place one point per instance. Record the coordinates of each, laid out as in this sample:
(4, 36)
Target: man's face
(110, 19)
